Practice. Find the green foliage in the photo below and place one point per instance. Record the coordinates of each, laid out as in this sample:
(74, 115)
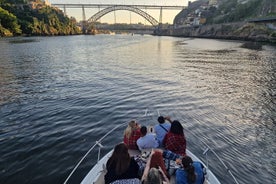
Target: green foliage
(5, 32)
(9, 21)
(232, 11)
(43, 20)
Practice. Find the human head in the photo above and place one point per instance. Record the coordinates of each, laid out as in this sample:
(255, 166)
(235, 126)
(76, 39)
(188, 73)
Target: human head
(176, 128)
(120, 157)
(121, 149)
(157, 161)
(132, 125)
(154, 177)
(143, 130)
(161, 119)
(187, 163)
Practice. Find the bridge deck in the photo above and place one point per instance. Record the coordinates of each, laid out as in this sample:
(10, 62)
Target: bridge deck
(110, 5)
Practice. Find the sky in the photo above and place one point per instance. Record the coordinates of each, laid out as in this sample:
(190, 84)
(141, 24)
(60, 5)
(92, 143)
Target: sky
(123, 16)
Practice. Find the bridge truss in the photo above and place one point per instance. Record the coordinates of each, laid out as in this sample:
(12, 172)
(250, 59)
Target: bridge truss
(107, 8)
(105, 11)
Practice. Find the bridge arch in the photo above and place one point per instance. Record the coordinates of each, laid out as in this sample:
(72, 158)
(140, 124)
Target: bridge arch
(138, 11)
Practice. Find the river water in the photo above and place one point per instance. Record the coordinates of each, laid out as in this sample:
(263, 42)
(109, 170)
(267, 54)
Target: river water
(61, 94)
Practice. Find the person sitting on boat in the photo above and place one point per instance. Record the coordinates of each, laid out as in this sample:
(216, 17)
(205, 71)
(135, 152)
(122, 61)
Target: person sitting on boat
(132, 134)
(192, 172)
(189, 172)
(147, 140)
(155, 170)
(155, 176)
(175, 140)
(162, 128)
(120, 165)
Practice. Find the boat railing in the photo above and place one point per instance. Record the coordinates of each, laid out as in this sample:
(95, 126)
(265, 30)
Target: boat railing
(99, 144)
(146, 114)
(205, 153)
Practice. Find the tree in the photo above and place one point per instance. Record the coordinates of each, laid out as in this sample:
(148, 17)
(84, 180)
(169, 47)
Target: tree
(9, 21)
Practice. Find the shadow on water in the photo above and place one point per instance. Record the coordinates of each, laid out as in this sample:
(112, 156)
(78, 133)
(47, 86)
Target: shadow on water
(23, 40)
(253, 46)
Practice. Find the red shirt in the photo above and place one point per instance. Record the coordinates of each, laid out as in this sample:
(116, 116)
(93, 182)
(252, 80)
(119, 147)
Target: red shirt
(131, 141)
(175, 143)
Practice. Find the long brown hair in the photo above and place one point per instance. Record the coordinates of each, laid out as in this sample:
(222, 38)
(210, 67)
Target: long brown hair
(177, 128)
(189, 168)
(120, 159)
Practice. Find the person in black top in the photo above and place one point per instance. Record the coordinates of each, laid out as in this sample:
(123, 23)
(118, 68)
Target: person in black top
(120, 165)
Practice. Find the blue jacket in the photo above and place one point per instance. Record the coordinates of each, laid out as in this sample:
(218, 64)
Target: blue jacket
(181, 175)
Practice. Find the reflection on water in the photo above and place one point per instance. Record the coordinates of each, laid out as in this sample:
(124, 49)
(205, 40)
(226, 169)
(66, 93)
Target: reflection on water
(238, 84)
(253, 45)
(60, 94)
(22, 40)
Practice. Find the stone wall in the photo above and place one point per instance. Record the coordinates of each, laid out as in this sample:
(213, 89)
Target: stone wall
(238, 31)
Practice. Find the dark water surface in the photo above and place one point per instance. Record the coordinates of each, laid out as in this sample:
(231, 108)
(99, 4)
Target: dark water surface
(61, 94)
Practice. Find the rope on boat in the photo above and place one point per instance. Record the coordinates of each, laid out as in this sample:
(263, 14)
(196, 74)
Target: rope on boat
(98, 143)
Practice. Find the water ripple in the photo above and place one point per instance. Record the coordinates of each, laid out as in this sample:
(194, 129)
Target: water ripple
(60, 94)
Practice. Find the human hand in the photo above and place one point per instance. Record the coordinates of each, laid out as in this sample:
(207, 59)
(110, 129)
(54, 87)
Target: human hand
(159, 150)
(167, 117)
(178, 161)
(152, 152)
(137, 125)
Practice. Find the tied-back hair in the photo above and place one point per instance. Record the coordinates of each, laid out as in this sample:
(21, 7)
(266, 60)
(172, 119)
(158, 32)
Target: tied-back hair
(154, 177)
(189, 168)
(120, 159)
(130, 128)
(177, 128)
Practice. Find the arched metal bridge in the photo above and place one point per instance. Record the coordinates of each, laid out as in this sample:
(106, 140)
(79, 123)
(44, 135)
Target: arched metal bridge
(107, 8)
(105, 11)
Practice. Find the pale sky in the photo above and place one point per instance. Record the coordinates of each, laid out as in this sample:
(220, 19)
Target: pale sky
(123, 16)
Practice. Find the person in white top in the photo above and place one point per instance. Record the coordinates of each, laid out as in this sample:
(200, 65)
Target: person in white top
(146, 141)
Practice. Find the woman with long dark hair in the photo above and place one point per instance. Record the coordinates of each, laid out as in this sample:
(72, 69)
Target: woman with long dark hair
(175, 140)
(192, 172)
(120, 165)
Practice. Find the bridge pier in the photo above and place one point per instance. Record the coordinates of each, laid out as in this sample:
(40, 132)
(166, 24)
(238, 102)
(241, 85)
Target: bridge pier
(64, 9)
(115, 17)
(83, 20)
(160, 21)
(161, 15)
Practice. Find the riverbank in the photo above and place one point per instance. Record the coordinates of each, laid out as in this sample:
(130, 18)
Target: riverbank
(259, 32)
